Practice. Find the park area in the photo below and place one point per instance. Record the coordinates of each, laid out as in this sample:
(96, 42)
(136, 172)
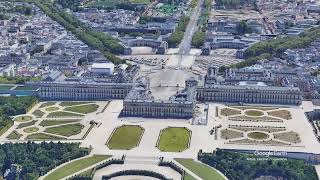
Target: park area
(125, 137)
(75, 166)
(54, 121)
(203, 171)
(174, 139)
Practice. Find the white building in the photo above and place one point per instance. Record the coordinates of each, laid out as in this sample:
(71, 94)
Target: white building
(102, 68)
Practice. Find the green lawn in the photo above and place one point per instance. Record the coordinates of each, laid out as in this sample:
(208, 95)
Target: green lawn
(31, 130)
(66, 130)
(174, 139)
(46, 104)
(188, 177)
(72, 103)
(63, 114)
(24, 88)
(50, 109)
(201, 170)
(45, 123)
(258, 135)
(86, 173)
(38, 113)
(23, 118)
(5, 127)
(75, 166)
(125, 137)
(26, 124)
(253, 113)
(14, 135)
(85, 109)
(5, 87)
(42, 136)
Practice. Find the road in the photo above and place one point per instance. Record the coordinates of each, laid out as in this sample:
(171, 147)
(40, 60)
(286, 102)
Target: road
(185, 45)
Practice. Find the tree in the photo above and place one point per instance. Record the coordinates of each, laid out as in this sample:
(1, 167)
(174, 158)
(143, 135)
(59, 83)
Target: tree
(243, 28)
(198, 39)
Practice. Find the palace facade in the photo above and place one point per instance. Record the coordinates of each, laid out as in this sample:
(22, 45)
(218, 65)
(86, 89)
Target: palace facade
(250, 94)
(83, 91)
(140, 103)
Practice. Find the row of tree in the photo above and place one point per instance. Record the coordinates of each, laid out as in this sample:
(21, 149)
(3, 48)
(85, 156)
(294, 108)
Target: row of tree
(199, 36)
(177, 36)
(36, 159)
(17, 79)
(276, 47)
(70, 4)
(241, 166)
(198, 39)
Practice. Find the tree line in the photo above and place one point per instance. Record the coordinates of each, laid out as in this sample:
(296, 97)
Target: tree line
(199, 36)
(36, 159)
(239, 166)
(11, 106)
(177, 36)
(276, 47)
(17, 79)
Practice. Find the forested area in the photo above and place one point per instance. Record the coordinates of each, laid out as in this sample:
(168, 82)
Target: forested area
(25, 10)
(37, 159)
(239, 166)
(177, 36)
(277, 46)
(70, 4)
(12, 105)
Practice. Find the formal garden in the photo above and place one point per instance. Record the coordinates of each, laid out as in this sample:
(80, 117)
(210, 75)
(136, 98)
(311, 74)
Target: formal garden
(125, 137)
(247, 126)
(259, 135)
(54, 121)
(252, 113)
(174, 139)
